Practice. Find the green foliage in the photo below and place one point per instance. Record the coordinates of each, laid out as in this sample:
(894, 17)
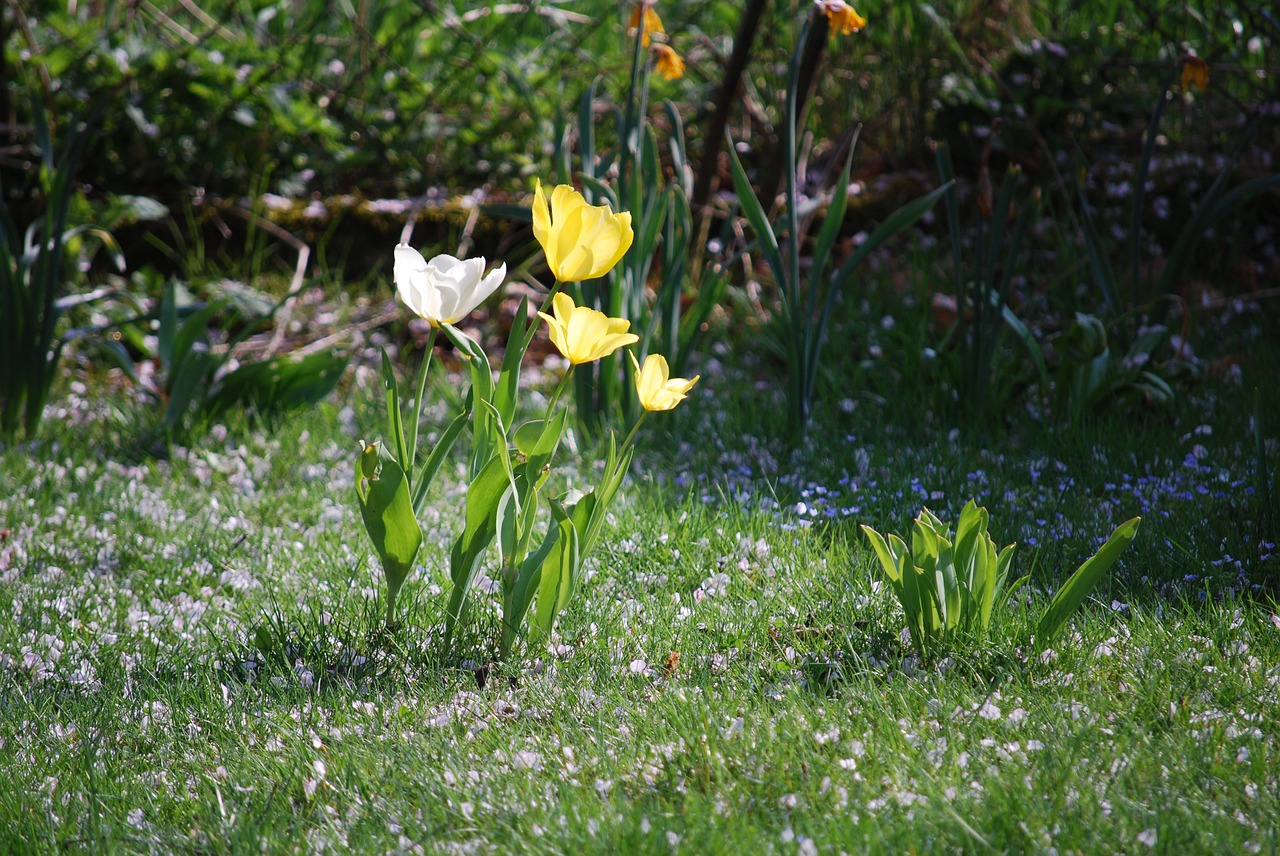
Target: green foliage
(386, 507)
(983, 279)
(1084, 580)
(806, 306)
(1092, 379)
(1219, 202)
(947, 586)
(33, 280)
(387, 97)
(663, 226)
(950, 586)
(193, 385)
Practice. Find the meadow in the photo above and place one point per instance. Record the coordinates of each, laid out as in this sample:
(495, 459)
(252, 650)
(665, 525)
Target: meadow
(295, 557)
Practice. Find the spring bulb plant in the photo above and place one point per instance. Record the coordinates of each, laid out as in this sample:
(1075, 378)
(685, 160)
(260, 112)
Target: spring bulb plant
(949, 585)
(539, 539)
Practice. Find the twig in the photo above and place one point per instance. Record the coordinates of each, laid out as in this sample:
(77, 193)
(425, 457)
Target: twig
(299, 272)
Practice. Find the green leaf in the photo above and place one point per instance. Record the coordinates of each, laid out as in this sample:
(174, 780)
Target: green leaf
(1077, 588)
(483, 496)
(541, 451)
(436, 459)
(833, 221)
(382, 492)
(558, 577)
(507, 390)
(528, 581)
(893, 554)
(394, 421)
(486, 436)
(280, 383)
(759, 221)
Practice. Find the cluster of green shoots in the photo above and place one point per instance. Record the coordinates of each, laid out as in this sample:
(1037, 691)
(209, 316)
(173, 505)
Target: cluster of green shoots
(952, 585)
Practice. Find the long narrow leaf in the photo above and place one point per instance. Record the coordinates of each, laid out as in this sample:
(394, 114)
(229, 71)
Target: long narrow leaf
(1077, 588)
(436, 459)
(755, 215)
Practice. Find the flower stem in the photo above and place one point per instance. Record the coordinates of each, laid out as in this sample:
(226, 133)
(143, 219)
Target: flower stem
(559, 390)
(634, 428)
(417, 400)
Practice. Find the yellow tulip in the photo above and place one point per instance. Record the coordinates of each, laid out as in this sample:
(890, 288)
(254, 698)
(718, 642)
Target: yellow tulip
(656, 388)
(583, 334)
(581, 241)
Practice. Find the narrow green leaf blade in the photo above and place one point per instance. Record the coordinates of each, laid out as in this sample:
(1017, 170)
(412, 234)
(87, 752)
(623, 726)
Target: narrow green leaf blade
(1077, 588)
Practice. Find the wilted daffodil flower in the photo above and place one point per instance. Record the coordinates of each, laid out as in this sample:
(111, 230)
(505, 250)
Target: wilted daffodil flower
(1195, 72)
(667, 62)
(645, 12)
(581, 241)
(841, 17)
(654, 385)
(583, 334)
(444, 290)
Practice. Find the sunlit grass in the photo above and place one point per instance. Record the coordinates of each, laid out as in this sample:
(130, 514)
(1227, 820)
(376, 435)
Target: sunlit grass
(193, 658)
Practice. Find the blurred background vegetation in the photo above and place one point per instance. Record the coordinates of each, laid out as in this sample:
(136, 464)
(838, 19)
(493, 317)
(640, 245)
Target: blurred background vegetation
(328, 125)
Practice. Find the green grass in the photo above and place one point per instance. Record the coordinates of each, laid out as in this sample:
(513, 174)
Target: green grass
(192, 660)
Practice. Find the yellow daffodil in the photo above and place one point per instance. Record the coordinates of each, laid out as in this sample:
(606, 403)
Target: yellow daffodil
(1195, 72)
(654, 385)
(583, 334)
(841, 17)
(645, 12)
(667, 62)
(581, 241)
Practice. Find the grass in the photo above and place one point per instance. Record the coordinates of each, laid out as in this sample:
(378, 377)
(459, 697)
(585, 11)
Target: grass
(193, 661)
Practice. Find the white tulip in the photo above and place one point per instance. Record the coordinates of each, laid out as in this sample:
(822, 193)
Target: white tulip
(443, 290)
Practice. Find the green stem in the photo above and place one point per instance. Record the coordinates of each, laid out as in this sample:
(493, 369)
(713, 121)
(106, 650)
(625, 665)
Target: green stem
(559, 390)
(632, 435)
(417, 401)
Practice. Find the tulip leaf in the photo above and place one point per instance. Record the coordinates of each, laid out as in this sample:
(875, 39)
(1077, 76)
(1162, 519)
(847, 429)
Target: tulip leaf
(486, 437)
(483, 495)
(1077, 587)
(539, 454)
(506, 391)
(892, 554)
(558, 577)
(279, 383)
(394, 419)
(382, 492)
(526, 586)
(527, 435)
(436, 459)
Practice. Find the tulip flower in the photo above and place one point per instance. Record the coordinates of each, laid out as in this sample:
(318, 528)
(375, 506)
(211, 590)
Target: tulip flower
(841, 17)
(654, 385)
(444, 290)
(667, 62)
(581, 241)
(583, 334)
